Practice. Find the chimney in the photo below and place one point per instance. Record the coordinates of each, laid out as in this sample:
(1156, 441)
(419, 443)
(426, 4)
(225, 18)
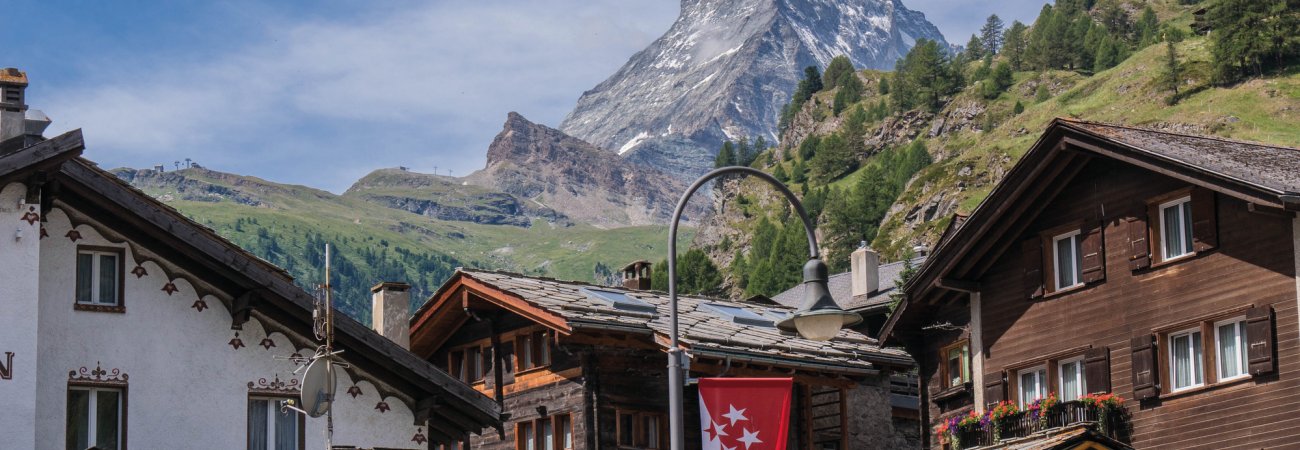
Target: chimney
(390, 311)
(15, 120)
(636, 275)
(865, 267)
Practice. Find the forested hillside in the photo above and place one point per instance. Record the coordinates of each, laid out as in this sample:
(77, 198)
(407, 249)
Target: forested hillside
(888, 157)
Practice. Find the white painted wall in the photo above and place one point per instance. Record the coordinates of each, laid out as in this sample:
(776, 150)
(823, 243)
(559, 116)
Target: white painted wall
(18, 317)
(188, 387)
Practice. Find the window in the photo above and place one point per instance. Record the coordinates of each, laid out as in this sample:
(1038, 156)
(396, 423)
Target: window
(534, 350)
(565, 427)
(1230, 341)
(456, 364)
(99, 277)
(956, 368)
(546, 433)
(474, 364)
(1176, 228)
(1186, 361)
(618, 300)
(524, 438)
(270, 428)
(1068, 260)
(640, 430)
(1033, 385)
(1072, 381)
(95, 418)
(739, 315)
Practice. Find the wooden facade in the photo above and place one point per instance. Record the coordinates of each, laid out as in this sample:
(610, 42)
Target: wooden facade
(603, 385)
(1072, 278)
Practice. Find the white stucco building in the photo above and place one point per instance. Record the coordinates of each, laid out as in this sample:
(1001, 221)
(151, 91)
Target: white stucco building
(125, 325)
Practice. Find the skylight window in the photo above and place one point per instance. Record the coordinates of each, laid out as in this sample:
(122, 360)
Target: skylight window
(740, 315)
(619, 300)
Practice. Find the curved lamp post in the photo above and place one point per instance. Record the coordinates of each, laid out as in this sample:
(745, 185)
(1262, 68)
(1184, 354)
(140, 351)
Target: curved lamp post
(820, 318)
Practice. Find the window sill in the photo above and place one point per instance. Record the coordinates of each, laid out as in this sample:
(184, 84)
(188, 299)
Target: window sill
(1175, 260)
(1071, 289)
(952, 393)
(119, 309)
(1203, 388)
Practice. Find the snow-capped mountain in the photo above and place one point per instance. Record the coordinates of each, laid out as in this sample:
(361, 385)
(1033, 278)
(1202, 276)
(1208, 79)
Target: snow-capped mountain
(725, 69)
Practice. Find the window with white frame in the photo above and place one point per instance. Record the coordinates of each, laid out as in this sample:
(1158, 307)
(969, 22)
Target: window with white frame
(1068, 260)
(1230, 340)
(1176, 228)
(271, 427)
(1032, 384)
(99, 276)
(1072, 380)
(957, 367)
(1186, 360)
(94, 418)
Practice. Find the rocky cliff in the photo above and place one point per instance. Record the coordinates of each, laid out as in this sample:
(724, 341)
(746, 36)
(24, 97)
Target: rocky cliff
(579, 180)
(726, 68)
(448, 198)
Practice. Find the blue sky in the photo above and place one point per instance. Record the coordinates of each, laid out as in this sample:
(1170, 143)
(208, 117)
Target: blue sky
(321, 95)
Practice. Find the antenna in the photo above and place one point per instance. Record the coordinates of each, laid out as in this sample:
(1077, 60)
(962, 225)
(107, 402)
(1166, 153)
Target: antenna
(318, 382)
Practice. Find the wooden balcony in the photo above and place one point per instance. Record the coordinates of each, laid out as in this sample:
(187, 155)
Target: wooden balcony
(1028, 426)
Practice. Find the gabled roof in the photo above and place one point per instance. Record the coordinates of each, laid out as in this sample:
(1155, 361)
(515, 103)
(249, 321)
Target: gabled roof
(267, 289)
(577, 306)
(1261, 174)
(841, 287)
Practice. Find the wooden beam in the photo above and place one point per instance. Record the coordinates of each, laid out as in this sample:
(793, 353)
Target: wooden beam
(954, 284)
(48, 154)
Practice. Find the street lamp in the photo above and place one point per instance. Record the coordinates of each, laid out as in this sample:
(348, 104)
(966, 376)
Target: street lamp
(819, 318)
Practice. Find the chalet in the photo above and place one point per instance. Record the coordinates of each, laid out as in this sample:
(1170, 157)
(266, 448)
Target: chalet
(584, 366)
(1120, 287)
(125, 324)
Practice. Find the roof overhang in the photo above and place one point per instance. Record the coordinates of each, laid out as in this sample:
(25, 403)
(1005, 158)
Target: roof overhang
(448, 309)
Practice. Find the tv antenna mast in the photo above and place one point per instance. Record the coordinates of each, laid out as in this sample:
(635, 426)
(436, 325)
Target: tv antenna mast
(318, 382)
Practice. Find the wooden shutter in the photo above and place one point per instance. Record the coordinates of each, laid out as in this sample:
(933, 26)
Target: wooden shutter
(1094, 253)
(1259, 339)
(1140, 257)
(1096, 369)
(1145, 384)
(1032, 251)
(1205, 224)
(995, 390)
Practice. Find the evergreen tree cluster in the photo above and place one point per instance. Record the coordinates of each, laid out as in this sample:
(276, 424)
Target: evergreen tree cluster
(924, 77)
(850, 216)
(740, 153)
(696, 274)
(1081, 35)
(1251, 37)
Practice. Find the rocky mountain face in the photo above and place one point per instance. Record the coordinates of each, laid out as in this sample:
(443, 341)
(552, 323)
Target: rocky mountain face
(579, 180)
(448, 198)
(726, 68)
(203, 185)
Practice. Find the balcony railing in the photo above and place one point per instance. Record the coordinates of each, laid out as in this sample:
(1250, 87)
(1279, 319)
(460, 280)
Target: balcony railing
(1065, 414)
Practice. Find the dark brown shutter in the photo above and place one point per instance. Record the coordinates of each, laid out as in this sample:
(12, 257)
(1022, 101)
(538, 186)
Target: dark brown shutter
(1145, 377)
(1141, 247)
(1205, 224)
(995, 389)
(1094, 253)
(1096, 369)
(1032, 251)
(1259, 339)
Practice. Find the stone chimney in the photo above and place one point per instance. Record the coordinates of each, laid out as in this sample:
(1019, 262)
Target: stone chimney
(865, 266)
(390, 311)
(15, 120)
(636, 275)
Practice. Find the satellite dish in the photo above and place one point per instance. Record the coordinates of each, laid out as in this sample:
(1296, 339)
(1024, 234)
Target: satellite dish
(318, 387)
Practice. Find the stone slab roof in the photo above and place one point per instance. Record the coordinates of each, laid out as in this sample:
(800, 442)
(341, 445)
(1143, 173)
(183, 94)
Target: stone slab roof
(703, 329)
(841, 286)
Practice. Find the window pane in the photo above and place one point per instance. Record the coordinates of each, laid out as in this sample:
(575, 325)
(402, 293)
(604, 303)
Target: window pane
(1229, 355)
(625, 429)
(257, 425)
(566, 432)
(1173, 234)
(106, 419)
(547, 435)
(526, 357)
(530, 441)
(1182, 362)
(1187, 227)
(1042, 384)
(652, 431)
(108, 279)
(286, 427)
(78, 432)
(1064, 259)
(85, 277)
(1070, 388)
(1198, 376)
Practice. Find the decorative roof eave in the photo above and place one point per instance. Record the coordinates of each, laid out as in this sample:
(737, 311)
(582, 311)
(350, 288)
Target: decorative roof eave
(1062, 141)
(464, 282)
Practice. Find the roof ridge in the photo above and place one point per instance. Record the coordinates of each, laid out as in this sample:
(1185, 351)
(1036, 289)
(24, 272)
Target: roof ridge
(1173, 133)
(616, 288)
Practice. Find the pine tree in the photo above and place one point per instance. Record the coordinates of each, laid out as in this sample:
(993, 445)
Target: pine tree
(850, 91)
(837, 72)
(1251, 37)
(1042, 94)
(834, 158)
(744, 153)
(1107, 54)
(884, 86)
(1173, 71)
(924, 77)
(999, 80)
(780, 174)
(726, 156)
(809, 85)
(798, 173)
(1019, 108)
(1147, 28)
(991, 34)
(974, 47)
(1013, 45)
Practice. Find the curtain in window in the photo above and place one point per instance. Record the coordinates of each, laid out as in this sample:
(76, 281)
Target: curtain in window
(1064, 259)
(85, 279)
(78, 435)
(1230, 360)
(1173, 233)
(286, 427)
(1187, 227)
(108, 279)
(257, 425)
(1070, 387)
(1187, 360)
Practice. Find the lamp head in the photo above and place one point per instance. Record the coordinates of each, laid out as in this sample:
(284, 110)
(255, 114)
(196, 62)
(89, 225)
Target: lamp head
(820, 318)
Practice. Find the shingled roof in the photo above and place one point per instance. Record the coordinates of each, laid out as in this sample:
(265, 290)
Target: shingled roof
(841, 287)
(703, 329)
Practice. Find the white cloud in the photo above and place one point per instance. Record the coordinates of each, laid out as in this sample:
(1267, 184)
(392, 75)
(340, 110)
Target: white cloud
(322, 101)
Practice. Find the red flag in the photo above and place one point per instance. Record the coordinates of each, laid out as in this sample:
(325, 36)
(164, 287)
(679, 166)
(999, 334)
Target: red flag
(745, 413)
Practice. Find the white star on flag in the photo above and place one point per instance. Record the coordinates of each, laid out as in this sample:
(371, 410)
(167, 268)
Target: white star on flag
(735, 415)
(750, 438)
(717, 430)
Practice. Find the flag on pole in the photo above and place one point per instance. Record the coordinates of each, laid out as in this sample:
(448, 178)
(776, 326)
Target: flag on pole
(745, 413)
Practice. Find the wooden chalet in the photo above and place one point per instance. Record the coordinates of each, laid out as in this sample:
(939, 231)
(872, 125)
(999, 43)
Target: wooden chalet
(1155, 266)
(582, 366)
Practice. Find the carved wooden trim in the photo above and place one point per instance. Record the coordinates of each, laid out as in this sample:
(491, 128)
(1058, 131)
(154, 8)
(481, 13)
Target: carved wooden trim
(275, 387)
(97, 377)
